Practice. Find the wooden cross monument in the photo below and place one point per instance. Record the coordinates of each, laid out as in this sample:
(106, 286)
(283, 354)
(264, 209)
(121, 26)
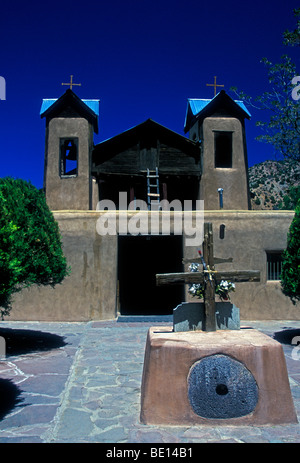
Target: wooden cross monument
(209, 276)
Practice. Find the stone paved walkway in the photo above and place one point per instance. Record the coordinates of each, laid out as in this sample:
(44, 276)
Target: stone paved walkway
(80, 382)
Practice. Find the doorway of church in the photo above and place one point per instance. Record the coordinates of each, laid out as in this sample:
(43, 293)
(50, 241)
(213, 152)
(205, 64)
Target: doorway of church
(140, 258)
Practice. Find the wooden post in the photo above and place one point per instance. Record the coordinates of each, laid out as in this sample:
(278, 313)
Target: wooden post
(209, 284)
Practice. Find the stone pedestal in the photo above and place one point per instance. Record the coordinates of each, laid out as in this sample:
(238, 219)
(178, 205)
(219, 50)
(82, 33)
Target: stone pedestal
(214, 378)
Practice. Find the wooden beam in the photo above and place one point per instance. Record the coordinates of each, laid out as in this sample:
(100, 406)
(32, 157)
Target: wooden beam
(179, 278)
(209, 287)
(236, 276)
(217, 260)
(239, 276)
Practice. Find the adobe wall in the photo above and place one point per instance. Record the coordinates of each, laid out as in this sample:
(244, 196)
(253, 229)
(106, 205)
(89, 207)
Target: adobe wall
(90, 292)
(234, 180)
(248, 235)
(73, 191)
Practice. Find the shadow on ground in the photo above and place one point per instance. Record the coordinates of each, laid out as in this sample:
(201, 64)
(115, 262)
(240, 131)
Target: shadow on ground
(288, 335)
(20, 342)
(9, 397)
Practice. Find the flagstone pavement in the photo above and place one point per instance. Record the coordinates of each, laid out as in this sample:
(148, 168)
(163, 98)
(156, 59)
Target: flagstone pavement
(80, 382)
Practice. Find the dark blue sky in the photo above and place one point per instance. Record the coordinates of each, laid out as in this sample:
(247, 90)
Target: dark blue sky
(141, 58)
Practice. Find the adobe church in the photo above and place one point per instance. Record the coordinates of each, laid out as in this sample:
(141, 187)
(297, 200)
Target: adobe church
(114, 274)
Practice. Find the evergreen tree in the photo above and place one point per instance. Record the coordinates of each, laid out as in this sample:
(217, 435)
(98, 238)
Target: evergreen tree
(30, 243)
(290, 275)
(290, 199)
(292, 38)
(282, 130)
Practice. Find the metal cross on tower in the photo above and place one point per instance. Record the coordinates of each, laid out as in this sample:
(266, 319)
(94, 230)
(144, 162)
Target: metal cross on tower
(71, 83)
(215, 85)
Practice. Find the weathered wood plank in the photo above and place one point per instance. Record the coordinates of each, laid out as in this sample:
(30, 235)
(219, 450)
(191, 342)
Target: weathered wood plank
(136, 159)
(217, 260)
(236, 276)
(179, 278)
(209, 287)
(239, 276)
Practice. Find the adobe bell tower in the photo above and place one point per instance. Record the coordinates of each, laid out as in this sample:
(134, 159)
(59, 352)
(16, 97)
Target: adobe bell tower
(219, 126)
(70, 126)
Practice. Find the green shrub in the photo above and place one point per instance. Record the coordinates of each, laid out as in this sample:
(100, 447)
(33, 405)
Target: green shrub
(30, 242)
(290, 275)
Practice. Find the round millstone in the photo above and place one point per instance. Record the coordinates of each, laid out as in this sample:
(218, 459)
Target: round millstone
(221, 387)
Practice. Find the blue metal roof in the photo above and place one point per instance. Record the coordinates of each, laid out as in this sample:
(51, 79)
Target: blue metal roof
(92, 104)
(197, 105)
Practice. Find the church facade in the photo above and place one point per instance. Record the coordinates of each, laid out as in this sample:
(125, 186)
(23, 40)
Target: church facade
(213, 158)
(144, 173)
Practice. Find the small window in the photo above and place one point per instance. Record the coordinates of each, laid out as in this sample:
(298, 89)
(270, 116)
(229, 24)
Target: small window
(274, 265)
(223, 149)
(68, 157)
(222, 232)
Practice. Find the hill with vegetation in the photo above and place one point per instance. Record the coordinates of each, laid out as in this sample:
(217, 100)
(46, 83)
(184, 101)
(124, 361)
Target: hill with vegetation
(274, 184)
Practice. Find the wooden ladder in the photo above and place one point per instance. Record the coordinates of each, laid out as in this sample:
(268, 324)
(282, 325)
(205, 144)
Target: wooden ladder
(152, 187)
